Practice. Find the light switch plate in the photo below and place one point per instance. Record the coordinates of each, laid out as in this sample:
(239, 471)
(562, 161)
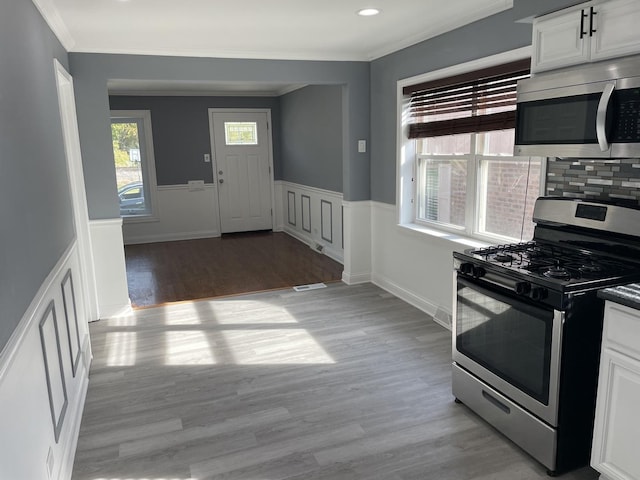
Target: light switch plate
(207, 157)
(362, 146)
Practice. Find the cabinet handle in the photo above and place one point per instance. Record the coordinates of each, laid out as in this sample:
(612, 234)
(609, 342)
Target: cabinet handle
(582, 17)
(591, 29)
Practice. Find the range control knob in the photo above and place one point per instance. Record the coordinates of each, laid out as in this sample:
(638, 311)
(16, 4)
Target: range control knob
(479, 272)
(523, 288)
(539, 293)
(467, 268)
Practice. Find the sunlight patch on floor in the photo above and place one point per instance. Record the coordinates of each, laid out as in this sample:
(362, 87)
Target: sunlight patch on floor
(188, 348)
(225, 311)
(122, 321)
(186, 314)
(220, 332)
(275, 347)
(122, 349)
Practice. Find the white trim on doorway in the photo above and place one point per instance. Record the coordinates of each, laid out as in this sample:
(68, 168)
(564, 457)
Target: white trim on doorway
(67, 105)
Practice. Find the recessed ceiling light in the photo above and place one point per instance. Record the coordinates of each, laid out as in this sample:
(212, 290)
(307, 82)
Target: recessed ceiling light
(368, 12)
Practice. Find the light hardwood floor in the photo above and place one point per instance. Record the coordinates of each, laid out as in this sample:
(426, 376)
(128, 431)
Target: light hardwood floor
(341, 383)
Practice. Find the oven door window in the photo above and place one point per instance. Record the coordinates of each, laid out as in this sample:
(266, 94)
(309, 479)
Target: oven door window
(507, 336)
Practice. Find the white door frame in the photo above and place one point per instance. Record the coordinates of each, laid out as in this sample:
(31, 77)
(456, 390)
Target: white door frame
(214, 161)
(69, 120)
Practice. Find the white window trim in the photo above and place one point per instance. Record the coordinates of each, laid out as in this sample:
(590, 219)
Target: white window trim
(406, 159)
(145, 116)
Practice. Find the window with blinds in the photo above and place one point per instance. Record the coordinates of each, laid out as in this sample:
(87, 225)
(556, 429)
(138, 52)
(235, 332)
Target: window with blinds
(479, 101)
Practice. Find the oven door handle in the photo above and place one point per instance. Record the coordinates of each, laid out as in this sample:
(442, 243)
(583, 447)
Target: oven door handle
(496, 281)
(518, 303)
(601, 116)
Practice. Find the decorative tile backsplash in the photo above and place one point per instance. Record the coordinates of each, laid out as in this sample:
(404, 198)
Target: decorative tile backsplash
(617, 179)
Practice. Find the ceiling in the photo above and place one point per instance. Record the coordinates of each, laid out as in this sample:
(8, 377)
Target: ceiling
(274, 29)
(259, 29)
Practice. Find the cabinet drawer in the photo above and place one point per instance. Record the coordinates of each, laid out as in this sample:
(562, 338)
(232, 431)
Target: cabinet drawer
(622, 329)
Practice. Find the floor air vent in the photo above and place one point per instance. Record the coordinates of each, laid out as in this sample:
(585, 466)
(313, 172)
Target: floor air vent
(311, 286)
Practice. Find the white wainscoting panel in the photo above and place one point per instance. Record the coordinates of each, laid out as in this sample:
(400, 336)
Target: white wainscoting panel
(414, 266)
(326, 221)
(357, 240)
(71, 320)
(279, 206)
(292, 210)
(312, 215)
(184, 213)
(40, 417)
(110, 270)
(306, 212)
(53, 367)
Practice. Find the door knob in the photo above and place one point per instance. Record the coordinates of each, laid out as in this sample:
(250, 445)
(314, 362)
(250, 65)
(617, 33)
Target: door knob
(221, 180)
(219, 172)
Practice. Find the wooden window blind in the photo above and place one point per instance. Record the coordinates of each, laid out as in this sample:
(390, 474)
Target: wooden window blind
(478, 101)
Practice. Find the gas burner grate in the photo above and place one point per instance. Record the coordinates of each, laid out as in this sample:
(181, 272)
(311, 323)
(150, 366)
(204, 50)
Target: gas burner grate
(552, 261)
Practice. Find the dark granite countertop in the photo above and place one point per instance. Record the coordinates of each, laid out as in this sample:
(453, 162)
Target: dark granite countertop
(628, 295)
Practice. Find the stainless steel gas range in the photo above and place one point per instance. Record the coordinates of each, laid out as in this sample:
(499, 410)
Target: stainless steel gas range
(528, 325)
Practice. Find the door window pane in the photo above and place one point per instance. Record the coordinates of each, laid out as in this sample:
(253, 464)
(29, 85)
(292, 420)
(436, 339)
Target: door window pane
(241, 133)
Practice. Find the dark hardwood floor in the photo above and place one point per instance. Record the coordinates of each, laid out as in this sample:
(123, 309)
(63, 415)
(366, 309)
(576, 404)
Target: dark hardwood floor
(159, 273)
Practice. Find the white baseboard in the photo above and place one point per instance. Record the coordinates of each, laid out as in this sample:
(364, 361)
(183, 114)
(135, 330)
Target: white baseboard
(69, 455)
(438, 314)
(171, 237)
(354, 279)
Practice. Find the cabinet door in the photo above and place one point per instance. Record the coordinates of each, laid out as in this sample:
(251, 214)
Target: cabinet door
(616, 434)
(556, 39)
(616, 23)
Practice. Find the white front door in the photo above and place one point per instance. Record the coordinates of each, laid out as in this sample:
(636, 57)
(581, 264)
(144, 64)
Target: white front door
(242, 152)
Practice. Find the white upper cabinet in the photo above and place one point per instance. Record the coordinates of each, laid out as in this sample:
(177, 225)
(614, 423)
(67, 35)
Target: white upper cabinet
(587, 32)
(617, 32)
(557, 40)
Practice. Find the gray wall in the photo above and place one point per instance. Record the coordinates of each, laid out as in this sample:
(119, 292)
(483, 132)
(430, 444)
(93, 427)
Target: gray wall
(181, 131)
(35, 202)
(492, 35)
(312, 137)
(496, 34)
(92, 71)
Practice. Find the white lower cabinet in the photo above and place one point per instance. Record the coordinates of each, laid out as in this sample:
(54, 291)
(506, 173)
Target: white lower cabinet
(616, 438)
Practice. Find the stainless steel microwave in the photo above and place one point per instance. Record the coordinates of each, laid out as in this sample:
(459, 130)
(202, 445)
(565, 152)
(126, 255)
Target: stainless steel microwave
(590, 111)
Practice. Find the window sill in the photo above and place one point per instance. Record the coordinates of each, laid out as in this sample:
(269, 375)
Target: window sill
(463, 241)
